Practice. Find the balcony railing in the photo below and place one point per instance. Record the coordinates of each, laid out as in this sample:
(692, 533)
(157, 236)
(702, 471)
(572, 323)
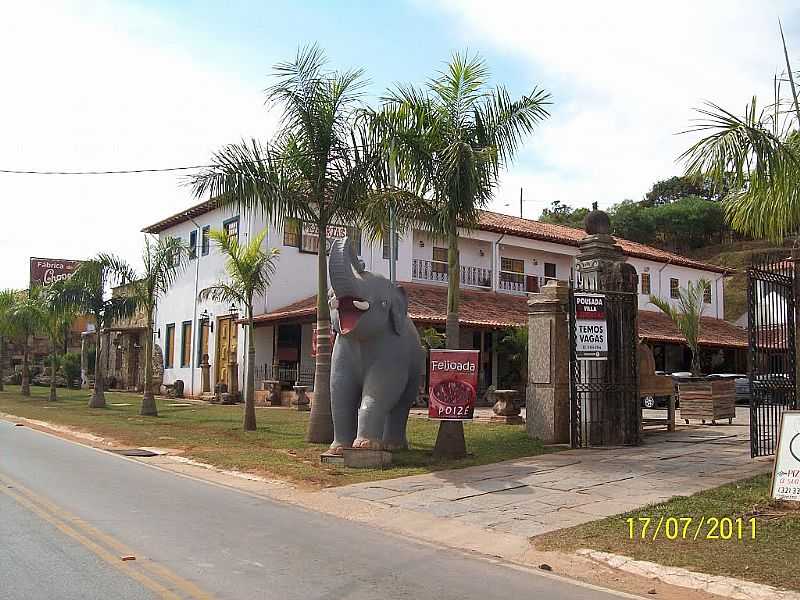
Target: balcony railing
(428, 270)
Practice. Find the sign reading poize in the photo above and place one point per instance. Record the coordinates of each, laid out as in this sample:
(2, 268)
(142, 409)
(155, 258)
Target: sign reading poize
(45, 271)
(591, 330)
(453, 384)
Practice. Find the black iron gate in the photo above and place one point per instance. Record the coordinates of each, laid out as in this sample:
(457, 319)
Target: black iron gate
(771, 359)
(604, 394)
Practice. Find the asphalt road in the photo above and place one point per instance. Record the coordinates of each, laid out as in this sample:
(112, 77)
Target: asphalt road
(68, 514)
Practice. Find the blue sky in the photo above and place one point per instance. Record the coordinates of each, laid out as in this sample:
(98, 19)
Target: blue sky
(111, 84)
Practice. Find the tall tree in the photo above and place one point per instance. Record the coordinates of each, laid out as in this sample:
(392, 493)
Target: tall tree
(675, 188)
(452, 138)
(25, 319)
(250, 269)
(316, 170)
(86, 292)
(686, 316)
(758, 155)
(7, 299)
(58, 314)
(164, 259)
(563, 214)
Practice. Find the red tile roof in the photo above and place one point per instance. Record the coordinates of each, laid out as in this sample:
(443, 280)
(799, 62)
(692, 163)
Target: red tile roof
(500, 223)
(561, 234)
(492, 310)
(184, 215)
(658, 327)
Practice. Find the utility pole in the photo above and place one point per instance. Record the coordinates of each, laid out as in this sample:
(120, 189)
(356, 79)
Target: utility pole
(520, 203)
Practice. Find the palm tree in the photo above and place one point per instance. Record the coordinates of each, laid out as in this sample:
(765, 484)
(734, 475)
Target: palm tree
(25, 319)
(451, 139)
(7, 299)
(316, 170)
(164, 260)
(86, 292)
(686, 316)
(57, 314)
(757, 157)
(250, 270)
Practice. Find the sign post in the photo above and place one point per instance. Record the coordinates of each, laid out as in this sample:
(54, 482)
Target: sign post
(453, 384)
(786, 472)
(591, 327)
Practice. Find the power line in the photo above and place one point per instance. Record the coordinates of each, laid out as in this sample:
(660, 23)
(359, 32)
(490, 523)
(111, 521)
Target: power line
(170, 169)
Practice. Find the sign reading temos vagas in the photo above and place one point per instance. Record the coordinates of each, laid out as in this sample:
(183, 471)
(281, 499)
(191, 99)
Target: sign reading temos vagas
(591, 330)
(786, 476)
(453, 384)
(45, 271)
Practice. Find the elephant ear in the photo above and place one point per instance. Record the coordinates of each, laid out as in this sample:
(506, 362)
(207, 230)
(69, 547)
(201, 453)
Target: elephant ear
(398, 310)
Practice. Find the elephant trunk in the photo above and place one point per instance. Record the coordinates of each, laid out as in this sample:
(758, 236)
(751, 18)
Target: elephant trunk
(345, 269)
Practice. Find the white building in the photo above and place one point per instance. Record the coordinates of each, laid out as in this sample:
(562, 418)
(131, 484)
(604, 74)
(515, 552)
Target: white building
(501, 261)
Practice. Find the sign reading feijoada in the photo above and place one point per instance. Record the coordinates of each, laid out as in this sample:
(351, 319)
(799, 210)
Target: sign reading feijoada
(453, 384)
(786, 474)
(591, 330)
(45, 271)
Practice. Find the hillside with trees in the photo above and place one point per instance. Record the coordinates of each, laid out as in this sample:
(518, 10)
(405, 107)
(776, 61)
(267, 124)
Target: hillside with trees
(683, 215)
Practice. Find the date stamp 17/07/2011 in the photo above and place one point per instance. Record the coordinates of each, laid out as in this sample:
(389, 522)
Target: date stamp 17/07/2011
(691, 528)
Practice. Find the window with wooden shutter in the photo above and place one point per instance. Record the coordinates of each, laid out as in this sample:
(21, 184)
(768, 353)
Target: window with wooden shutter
(169, 346)
(646, 284)
(186, 343)
(439, 264)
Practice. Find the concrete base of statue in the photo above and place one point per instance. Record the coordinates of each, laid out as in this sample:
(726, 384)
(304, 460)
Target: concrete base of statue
(363, 458)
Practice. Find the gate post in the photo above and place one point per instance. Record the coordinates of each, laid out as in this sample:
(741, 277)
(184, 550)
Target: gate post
(547, 398)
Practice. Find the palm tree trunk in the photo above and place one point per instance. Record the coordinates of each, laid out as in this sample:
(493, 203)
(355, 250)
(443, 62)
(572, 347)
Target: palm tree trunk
(2, 361)
(53, 369)
(695, 364)
(250, 380)
(26, 372)
(320, 423)
(98, 399)
(450, 441)
(149, 408)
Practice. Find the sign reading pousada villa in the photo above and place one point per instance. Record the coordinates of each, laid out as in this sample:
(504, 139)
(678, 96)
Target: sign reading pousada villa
(786, 477)
(453, 384)
(591, 329)
(45, 271)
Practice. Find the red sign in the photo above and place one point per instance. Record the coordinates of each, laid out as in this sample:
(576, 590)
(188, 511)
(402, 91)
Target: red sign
(45, 271)
(453, 384)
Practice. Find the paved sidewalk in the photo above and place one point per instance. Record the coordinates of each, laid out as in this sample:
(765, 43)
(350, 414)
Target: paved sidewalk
(527, 497)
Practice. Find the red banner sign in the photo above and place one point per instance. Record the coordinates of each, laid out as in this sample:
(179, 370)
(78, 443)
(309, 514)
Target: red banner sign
(453, 384)
(45, 271)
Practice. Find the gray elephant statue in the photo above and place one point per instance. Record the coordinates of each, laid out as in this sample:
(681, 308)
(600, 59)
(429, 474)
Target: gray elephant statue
(377, 357)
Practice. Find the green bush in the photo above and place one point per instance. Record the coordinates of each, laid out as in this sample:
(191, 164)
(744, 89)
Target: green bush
(71, 367)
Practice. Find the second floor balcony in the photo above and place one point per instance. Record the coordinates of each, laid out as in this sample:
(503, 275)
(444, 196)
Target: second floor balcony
(436, 271)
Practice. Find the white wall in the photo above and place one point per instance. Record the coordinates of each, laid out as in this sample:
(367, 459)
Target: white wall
(660, 275)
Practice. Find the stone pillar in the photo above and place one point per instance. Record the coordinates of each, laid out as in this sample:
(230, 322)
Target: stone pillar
(547, 399)
(233, 379)
(205, 375)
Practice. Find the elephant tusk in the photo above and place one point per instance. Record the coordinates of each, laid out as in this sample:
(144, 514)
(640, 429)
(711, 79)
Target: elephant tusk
(361, 304)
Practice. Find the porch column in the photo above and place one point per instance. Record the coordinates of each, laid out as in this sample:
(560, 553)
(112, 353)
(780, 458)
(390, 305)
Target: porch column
(547, 399)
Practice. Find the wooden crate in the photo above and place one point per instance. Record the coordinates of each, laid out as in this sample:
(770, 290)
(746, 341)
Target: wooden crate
(708, 400)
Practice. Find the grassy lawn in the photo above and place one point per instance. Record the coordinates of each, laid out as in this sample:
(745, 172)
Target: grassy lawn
(772, 558)
(213, 434)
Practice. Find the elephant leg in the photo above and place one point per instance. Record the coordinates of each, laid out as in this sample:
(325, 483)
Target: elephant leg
(382, 390)
(345, 400)
(394, 429)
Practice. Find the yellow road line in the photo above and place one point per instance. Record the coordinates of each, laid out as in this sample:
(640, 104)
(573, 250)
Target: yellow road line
(69, 524)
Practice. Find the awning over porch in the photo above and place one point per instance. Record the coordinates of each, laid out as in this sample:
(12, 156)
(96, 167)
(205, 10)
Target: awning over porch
(427, 304)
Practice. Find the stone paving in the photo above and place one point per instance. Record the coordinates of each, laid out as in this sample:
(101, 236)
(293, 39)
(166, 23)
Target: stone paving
(530, 496)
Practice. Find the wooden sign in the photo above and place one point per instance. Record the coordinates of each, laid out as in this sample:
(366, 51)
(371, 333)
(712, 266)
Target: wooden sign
(786, 473)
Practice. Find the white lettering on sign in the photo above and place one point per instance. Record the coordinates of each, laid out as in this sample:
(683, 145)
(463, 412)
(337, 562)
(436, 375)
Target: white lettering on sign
(444, 365)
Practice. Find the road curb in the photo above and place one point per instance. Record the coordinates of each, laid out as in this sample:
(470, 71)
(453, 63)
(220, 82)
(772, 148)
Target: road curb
(713, 584)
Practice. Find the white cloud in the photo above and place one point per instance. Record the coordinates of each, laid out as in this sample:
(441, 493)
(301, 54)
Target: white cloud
(91, 86)
(625, 76)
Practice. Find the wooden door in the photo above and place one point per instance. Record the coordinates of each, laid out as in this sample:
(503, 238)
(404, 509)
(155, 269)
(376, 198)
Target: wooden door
(226, 347)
